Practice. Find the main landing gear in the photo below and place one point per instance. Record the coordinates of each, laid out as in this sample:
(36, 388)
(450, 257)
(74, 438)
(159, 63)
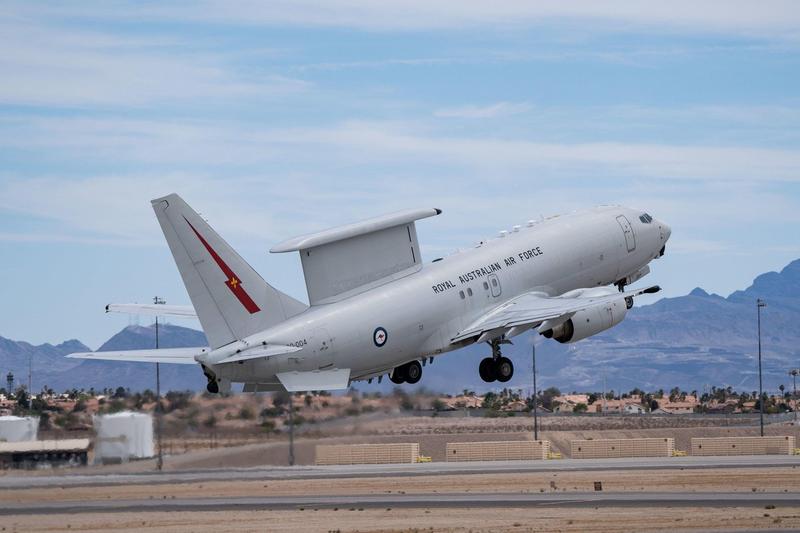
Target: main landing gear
(213, 386)
(410, 372)
(496, 367)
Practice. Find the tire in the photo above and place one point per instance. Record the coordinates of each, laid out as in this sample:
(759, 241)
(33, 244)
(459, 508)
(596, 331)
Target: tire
(413, 372)
(212, 387)
(503, 369)
(486, 370)
(398, 375)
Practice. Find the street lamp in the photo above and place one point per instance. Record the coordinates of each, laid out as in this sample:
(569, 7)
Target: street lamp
(535, 410)
(759, 304)
(794, 373)
(160, 459)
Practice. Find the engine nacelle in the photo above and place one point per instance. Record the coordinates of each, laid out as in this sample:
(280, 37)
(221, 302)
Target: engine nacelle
(589, 322)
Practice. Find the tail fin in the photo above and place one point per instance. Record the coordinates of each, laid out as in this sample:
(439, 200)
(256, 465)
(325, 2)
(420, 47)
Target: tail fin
(231, 300)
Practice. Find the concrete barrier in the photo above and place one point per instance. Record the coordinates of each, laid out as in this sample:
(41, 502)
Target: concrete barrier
(609, 448)
(367, 454)
(743, 446)
(520, 450)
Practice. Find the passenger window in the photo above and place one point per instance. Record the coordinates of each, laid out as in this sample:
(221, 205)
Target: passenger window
(485, 286)
(469, 291)
(461, 293)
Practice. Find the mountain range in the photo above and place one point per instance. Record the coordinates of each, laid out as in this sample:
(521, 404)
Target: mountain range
(692, 341)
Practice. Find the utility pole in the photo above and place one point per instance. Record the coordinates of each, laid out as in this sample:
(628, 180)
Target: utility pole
(160, 458)
(759, 304)
(535, 397)
(291, 429)
(794, 372)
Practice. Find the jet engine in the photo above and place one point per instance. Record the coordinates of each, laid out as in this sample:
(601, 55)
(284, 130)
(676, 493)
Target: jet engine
(589, 322)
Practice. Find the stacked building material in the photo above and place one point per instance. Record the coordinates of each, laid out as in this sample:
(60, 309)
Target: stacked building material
(609, 448)
(521, 450)
(783, 445)
(367, 454)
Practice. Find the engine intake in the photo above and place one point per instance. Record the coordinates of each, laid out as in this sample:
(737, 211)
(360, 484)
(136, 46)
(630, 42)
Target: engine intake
(589, 322)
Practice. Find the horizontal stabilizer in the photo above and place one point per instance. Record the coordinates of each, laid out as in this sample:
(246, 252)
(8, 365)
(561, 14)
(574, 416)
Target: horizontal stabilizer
(315, 380)
(257, 353)
(181, 356)
(185, 311)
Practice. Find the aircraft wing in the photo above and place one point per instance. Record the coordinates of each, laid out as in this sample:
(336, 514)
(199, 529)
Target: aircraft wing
(184, 311)
(182, 356)
(534, 308)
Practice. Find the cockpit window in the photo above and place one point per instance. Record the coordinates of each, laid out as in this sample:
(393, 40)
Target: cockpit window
(645, 218)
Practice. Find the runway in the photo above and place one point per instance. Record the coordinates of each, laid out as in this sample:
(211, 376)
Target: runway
(431, 500)
(75, 479)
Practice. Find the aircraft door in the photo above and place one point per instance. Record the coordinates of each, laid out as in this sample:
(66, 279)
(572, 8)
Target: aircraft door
(627, 229)
(494, 285)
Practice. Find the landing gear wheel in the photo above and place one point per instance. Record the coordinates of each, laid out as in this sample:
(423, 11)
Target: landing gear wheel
(398, 375)
(413, 371)
(503, 369)
(212, 387)
(486, 370)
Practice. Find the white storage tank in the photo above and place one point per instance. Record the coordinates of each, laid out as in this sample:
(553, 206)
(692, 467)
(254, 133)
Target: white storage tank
(18, 429)
(123, 436)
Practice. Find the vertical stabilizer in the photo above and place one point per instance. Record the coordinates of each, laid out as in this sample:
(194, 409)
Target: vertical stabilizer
(231, 300)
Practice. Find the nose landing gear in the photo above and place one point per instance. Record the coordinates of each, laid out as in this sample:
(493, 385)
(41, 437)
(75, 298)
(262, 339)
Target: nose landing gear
(496, 367)
(410, 372)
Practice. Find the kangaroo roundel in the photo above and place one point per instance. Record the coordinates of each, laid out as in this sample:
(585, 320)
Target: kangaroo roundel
(379, 336)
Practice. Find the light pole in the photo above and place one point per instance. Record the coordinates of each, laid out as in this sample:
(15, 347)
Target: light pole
(759, 304)
(160, 458)
(794, 374)
(535, 397)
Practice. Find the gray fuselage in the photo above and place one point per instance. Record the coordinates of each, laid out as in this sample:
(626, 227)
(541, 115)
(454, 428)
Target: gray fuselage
(423, 311)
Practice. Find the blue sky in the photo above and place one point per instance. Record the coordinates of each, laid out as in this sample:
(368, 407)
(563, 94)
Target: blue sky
(275, 119)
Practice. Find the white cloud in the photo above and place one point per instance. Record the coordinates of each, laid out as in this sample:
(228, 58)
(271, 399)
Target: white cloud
(768, 18)
(48, 65)
(500, 109)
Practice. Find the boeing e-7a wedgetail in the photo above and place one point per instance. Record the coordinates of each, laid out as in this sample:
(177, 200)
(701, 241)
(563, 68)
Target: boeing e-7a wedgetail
(375, 309)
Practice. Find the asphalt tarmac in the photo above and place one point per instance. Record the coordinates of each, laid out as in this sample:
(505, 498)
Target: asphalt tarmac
(74, 478)
(626, 499)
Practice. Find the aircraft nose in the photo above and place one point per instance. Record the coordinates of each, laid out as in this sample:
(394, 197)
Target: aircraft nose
(667, 232)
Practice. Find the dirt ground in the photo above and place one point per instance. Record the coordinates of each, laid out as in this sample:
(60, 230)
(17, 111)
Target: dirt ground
(606, 519)
(771, 480)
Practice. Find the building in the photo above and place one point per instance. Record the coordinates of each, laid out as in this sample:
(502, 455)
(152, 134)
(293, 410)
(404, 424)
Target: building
(634, 409)
(566, 403)
(43, 453)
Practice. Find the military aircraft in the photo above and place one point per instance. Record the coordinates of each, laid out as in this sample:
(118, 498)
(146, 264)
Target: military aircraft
(376, 310)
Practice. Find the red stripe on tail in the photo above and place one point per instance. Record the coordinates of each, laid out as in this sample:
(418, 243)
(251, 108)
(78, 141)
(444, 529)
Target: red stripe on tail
(233, 282)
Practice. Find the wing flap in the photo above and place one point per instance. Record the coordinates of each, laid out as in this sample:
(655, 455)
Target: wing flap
(334, 379)
(181, 356)
(533, 308)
